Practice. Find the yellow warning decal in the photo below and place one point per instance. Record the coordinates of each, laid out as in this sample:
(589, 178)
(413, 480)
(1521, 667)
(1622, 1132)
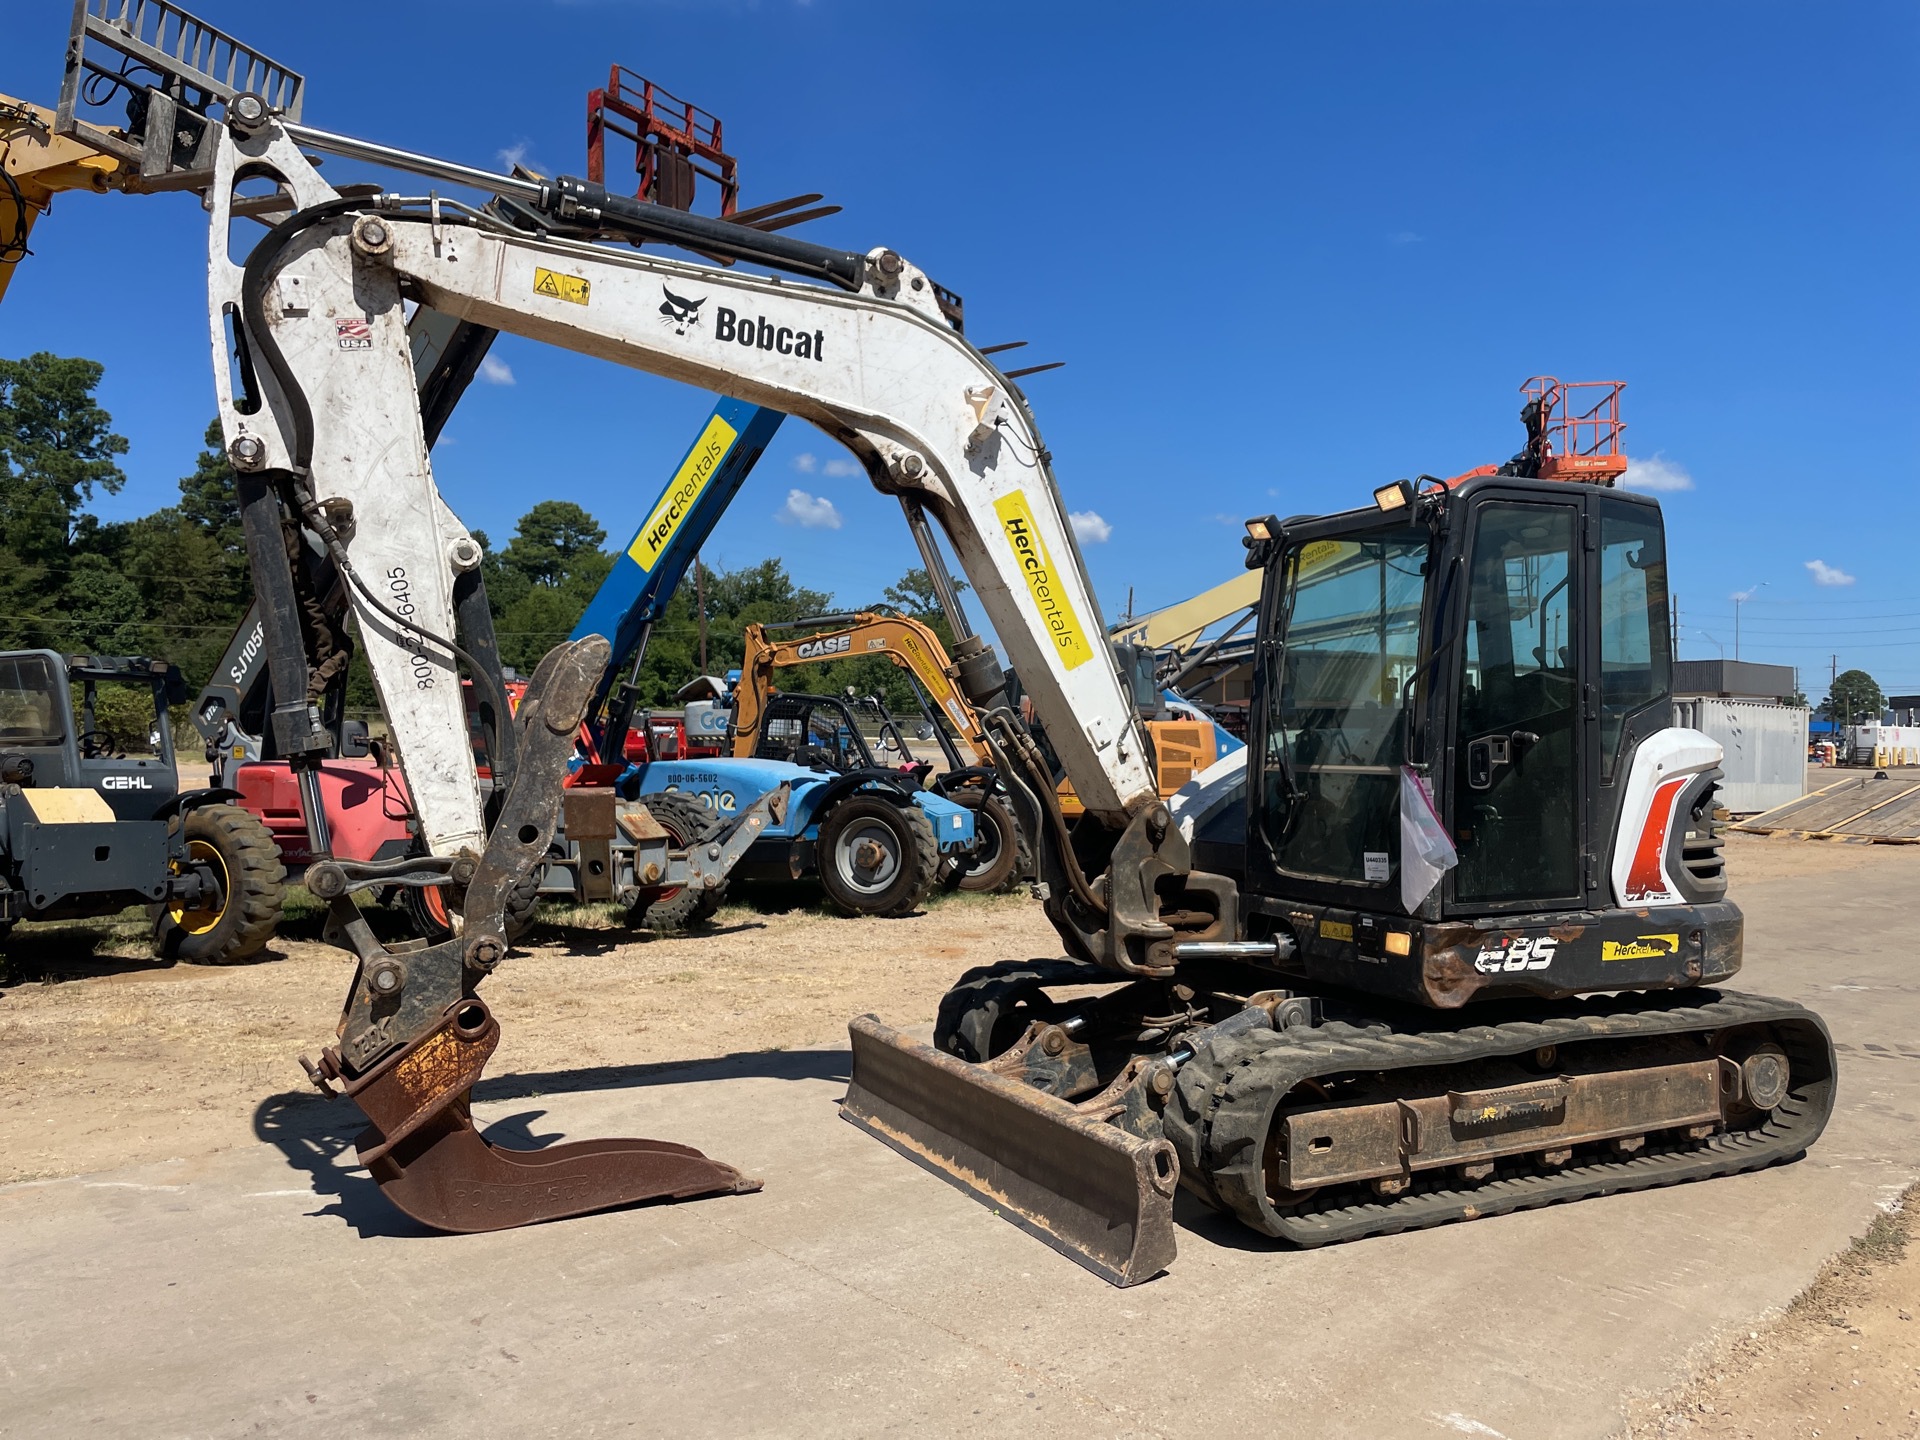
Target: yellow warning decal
(1641, 947)
(1335, 930)
(1043, 581)
(700, 466)
(556, 286)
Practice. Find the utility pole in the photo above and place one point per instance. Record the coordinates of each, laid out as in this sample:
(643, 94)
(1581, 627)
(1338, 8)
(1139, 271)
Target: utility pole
(700, 607)
(1833, 710)
(1676, 627)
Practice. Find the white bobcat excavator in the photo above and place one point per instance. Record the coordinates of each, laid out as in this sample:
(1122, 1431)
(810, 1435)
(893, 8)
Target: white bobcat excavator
(1316, 1019)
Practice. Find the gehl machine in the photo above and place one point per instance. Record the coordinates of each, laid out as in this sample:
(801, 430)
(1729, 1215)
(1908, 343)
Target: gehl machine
(87, 830)
(1309, 1030)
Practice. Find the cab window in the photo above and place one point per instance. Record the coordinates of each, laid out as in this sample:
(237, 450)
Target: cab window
(1635, 657)
(29, 714)
(1335, 728)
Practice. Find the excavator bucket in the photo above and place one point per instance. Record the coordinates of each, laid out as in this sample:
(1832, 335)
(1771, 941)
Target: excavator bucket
(1096, 1193)
(422, 1148)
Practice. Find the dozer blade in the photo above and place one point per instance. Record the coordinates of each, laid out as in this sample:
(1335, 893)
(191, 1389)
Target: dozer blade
(1095, 1192)
(422, 1148)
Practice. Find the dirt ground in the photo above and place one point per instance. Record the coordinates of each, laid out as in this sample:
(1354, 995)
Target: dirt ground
(108, 1058)
(1844, 1360)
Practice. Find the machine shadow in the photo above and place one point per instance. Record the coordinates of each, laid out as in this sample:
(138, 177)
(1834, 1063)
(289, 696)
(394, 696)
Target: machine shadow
(317, 1137)
(1195, 1218)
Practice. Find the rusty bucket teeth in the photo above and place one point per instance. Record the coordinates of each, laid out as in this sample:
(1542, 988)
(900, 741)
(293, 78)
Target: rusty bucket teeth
(1098, 1194)
(423, 1150)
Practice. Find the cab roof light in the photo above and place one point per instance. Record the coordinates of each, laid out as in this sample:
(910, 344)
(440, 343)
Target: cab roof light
(1259, 530)
(1397, 496)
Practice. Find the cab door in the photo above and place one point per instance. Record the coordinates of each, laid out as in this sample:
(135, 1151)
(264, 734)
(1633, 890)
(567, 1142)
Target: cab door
(1521, 747)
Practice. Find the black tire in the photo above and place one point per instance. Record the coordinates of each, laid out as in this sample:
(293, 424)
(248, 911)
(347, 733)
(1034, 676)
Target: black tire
(994, 867)
(235, 926)
(668, 912)
(892, 879)
(426, 908)
(990, 1008)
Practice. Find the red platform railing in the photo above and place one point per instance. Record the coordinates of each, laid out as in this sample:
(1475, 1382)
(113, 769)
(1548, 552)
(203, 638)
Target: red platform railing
(1583, 428)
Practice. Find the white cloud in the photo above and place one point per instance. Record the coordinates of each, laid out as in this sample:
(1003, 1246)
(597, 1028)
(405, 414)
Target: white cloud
(1656, 474)
(1825, 574)
(1408, 237)
(810, 512)
(496, 371)
(807, 463)
(1089, 528)
(512, 155)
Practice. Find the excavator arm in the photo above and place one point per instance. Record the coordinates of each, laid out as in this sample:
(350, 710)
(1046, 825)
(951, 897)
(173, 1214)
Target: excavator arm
(328, 436)
(905, 641)
(324, 426)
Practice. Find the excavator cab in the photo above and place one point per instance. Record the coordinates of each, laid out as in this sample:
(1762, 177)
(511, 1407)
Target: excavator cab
(1493, 657)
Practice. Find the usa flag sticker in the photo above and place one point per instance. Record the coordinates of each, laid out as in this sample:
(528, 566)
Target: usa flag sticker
(354, 334)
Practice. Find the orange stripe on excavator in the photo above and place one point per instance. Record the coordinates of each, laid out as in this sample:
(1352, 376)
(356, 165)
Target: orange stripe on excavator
(1646, 880)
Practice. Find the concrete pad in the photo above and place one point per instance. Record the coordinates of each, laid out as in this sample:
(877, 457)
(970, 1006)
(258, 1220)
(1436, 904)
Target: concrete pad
(268, 1289)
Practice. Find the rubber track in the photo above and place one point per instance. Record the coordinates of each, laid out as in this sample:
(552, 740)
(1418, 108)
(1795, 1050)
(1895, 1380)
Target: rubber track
(1229, 1098)
(972, 1005)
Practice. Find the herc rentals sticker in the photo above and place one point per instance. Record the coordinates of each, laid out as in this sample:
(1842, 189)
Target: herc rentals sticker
(700, 467)
(1049, 594)
(1641, 947)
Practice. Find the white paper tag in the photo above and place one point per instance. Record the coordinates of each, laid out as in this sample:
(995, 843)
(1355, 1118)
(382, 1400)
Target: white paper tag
(1377, 865)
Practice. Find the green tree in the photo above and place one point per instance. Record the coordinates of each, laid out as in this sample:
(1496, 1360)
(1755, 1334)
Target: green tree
(539, 585)
(210, 496)
(549, 541)
(56, 448)
(913, 594)
(1853, 699)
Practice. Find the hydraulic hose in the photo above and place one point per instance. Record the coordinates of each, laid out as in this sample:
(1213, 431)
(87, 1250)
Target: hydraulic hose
(1029, 757)
(253, 289)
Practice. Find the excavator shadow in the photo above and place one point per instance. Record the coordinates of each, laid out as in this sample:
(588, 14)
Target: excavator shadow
(1195, 1219)
(314, 1134)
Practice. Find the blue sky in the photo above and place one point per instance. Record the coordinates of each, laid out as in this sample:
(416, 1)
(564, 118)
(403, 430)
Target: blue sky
(1288, 252)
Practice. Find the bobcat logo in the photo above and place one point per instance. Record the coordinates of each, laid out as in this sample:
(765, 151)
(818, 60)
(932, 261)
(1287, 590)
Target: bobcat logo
(679, 313)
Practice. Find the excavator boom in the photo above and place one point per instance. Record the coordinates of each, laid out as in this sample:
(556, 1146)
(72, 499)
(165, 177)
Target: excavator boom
(908, 643)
